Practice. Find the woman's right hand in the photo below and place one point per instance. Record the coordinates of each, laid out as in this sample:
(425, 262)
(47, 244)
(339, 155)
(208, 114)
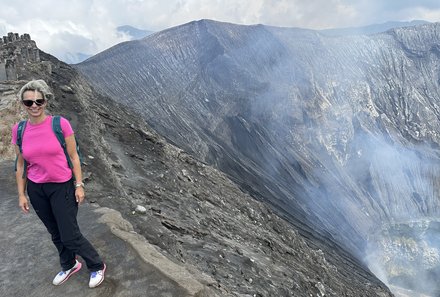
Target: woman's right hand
(23, 203)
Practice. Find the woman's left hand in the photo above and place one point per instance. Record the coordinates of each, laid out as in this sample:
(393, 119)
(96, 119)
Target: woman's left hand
(79, 194)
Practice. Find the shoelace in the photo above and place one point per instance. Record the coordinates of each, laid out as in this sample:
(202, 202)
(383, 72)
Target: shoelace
(95, 273)
(66, 272)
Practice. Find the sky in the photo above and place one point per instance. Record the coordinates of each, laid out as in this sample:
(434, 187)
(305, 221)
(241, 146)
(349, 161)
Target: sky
(60, 27)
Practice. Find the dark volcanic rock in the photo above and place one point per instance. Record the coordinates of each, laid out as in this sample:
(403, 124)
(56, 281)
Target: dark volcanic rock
(195, 215)
(338, 134)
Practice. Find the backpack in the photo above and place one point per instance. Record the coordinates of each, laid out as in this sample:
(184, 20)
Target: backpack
(56, 128)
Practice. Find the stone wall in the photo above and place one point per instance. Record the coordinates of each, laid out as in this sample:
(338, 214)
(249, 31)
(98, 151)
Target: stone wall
(15, 53)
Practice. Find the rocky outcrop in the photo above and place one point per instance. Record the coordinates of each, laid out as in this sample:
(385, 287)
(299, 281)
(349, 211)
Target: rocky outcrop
(337, 134)
(15, 53)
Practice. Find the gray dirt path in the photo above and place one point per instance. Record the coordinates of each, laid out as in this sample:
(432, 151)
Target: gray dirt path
(29, 260)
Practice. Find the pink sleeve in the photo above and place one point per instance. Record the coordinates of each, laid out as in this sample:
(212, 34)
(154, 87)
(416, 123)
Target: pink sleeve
(14, 134)
(66, 127)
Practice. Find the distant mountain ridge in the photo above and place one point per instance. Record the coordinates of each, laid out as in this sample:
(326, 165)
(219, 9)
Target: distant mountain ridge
(126, 30)
(371, 29)
(338, 134)
(135, 33)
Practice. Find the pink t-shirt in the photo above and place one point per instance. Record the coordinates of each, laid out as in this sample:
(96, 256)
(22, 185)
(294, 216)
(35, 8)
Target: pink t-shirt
(42, 151)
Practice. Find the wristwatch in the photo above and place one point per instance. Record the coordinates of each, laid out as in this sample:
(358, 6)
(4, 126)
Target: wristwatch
(77, 185)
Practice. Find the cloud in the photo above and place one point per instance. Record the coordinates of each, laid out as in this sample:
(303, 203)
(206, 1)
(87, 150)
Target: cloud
(409, 4)
(63, 26)
(309, 14)
(398, 10)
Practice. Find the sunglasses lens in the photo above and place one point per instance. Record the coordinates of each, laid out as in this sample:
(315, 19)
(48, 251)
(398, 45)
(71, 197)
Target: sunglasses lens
(29, 103)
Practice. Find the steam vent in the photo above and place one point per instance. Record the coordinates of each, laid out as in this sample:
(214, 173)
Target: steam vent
(16, 51)
(409, 253)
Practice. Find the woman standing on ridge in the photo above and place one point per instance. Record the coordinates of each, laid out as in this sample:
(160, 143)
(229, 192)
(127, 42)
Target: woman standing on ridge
(54, 188)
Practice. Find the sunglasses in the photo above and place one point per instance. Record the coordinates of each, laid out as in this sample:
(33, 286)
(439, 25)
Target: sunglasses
(29, 103)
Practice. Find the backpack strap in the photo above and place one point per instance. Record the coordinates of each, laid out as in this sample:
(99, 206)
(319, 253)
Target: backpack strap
(20, 131)
(56, 127)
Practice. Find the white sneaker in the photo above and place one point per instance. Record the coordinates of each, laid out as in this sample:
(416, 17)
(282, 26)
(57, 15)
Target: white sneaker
(64, 275)
(96, 278)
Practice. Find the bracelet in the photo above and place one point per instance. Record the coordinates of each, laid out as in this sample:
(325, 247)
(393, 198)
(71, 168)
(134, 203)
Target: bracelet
(77, 185)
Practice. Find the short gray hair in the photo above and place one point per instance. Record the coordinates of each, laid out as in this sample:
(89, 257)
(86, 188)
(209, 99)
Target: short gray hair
(37, 85)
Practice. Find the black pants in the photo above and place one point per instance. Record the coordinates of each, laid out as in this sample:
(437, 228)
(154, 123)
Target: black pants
(56, 206)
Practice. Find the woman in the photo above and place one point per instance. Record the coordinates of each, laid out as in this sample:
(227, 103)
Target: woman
(54, 189)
